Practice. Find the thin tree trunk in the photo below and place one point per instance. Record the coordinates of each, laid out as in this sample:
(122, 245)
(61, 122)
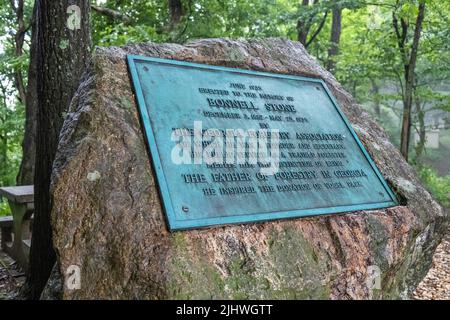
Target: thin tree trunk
(335, 37)
(26, 170)
(3, 133)
(319, 28)
(3, 153)
(410, 65)
(376, 98)
(176, 11)
(303, 26)
(63, 47)
(19, 40)
(422, 134)
(113, 14)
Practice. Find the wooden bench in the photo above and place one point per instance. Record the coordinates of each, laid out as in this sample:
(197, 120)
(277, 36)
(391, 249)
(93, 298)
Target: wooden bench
(15, 229)
(6, 226)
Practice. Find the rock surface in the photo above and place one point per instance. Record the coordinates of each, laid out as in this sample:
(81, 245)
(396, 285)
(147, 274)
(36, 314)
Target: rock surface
(108, 220)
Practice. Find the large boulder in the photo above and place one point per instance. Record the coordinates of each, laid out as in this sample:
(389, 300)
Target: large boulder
(107, 216)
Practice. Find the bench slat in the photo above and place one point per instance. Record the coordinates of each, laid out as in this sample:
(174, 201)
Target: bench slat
(6, 221)
(19, 194)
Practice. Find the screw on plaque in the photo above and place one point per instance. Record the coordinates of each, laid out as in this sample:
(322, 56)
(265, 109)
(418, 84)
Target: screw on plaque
(185, 209)
(318, 88)
(145, 68)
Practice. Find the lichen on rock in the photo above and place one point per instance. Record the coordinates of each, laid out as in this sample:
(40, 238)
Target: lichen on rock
(108, 220)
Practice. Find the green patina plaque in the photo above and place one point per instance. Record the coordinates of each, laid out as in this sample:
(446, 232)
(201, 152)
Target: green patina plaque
(235, 146)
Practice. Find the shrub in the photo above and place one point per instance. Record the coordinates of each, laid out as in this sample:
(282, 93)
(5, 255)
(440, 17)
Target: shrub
(438, 186)
(4, 208)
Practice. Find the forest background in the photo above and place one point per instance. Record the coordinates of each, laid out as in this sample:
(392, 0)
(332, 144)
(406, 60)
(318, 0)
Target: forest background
(392, 55)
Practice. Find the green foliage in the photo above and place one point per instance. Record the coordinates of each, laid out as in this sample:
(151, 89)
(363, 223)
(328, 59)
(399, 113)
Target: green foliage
(11, 132)
(12, 113)
(203, 19)
(4, 209)
(438, 186)
(146, 20)
(370, 64)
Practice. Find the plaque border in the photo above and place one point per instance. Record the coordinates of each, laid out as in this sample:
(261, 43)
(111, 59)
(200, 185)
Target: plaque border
(165, 197)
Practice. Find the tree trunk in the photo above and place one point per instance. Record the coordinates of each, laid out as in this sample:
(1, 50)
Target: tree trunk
(176, 11)
(3, 153)
(18, 51)
(63, 46)
(422, 134)
(335, 37)
(410, 66)
(26, 170)
(376, 98)
(3, 133)
(303, 26)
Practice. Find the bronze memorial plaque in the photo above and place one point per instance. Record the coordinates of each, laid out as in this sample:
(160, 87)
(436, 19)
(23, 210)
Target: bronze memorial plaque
(235, 146)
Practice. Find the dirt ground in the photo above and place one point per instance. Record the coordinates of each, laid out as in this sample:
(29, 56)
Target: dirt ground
(436, 284)
(11, 277)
